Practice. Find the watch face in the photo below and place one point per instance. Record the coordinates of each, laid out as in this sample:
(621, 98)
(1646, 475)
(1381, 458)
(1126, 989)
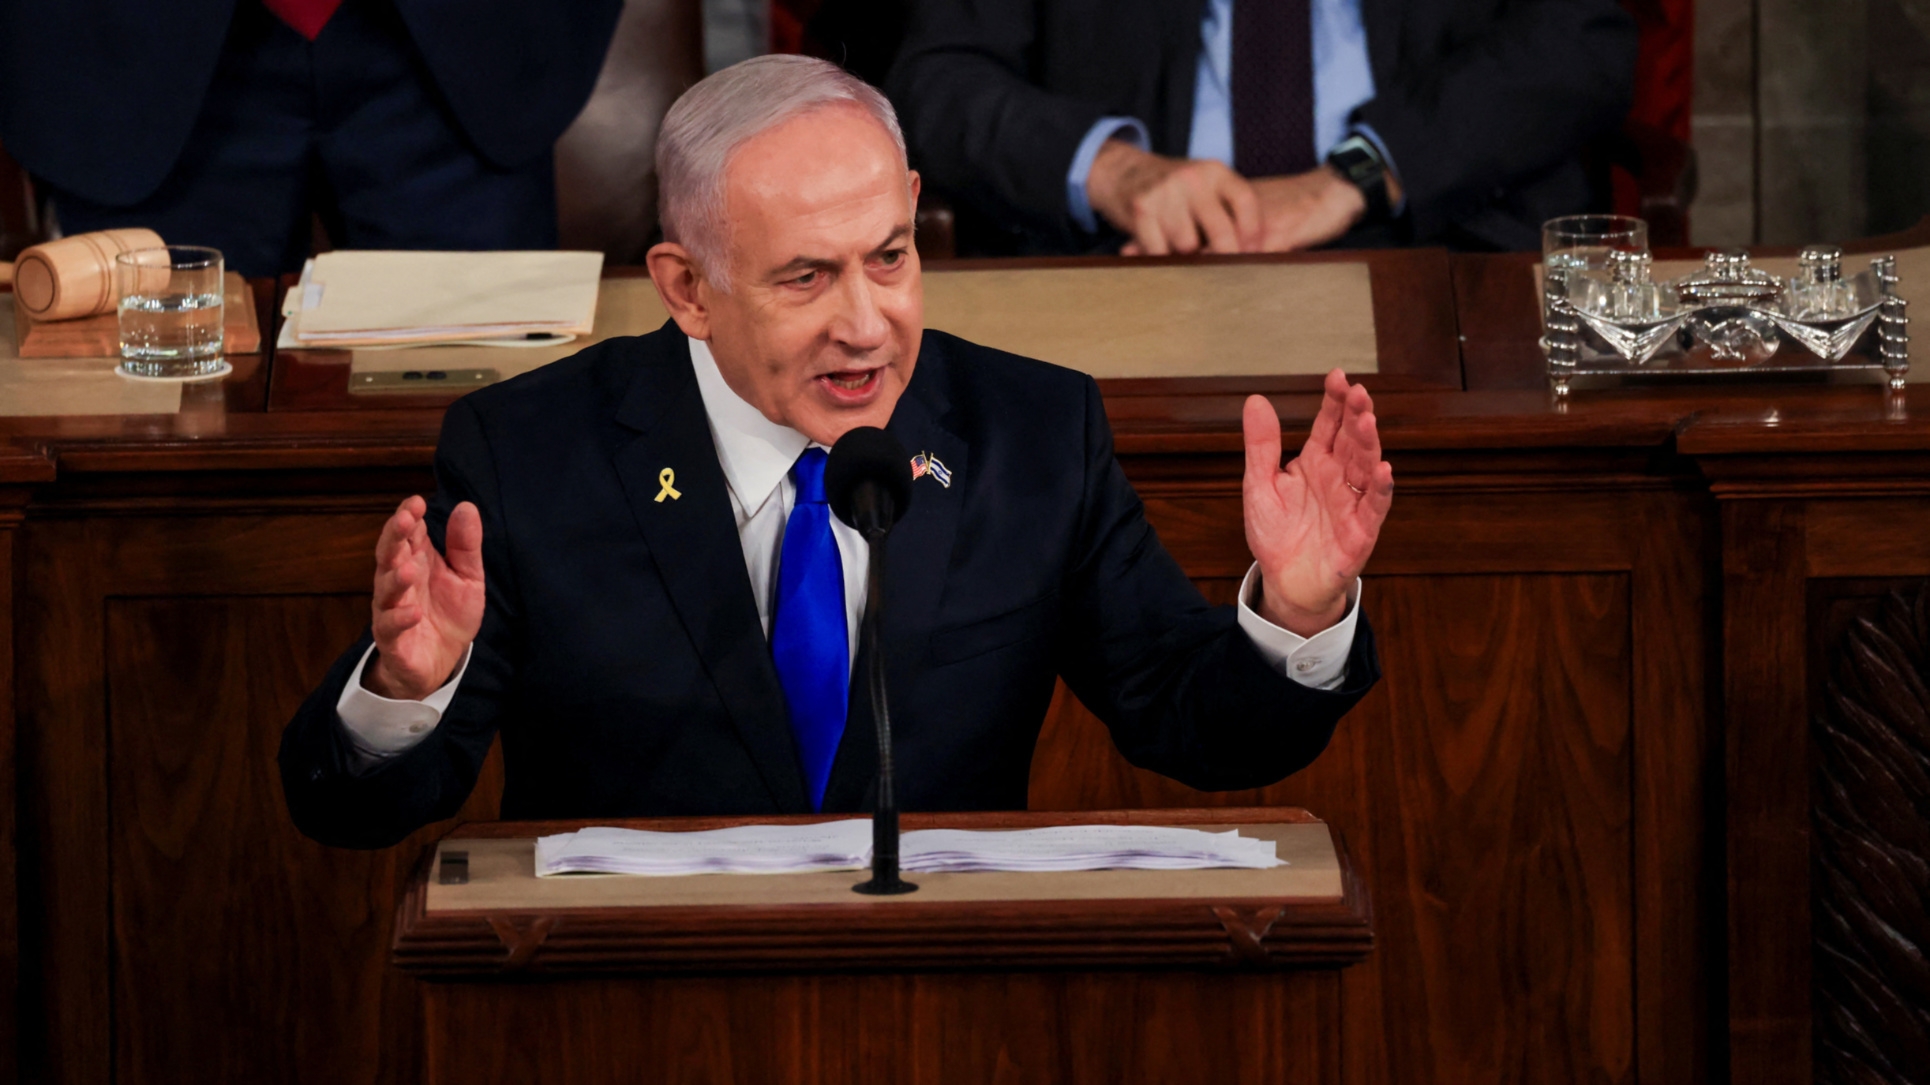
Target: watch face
(1360, 163)
(1355, 156)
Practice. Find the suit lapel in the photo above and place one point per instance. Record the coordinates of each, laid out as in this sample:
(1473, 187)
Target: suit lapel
(693, 541)
(1381, 19)
(918, 557)
(1180, 71)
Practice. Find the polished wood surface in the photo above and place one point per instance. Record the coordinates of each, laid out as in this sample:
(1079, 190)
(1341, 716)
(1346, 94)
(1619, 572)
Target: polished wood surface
(1026, 1028)
(1580, 798)
(16, 468)
(1059, 991)
(918, 931)
(100, 336)
(1515, 773)
(171, 638)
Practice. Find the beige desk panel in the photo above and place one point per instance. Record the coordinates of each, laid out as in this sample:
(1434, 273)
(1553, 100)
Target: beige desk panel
(45, 387)
(1199, 321)
(1211, 320)
(502, 877)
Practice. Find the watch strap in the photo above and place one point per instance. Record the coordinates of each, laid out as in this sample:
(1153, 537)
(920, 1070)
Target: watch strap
(1358, 161)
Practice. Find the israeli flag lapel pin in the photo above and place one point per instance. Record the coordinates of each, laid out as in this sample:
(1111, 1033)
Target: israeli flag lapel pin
(927, 464)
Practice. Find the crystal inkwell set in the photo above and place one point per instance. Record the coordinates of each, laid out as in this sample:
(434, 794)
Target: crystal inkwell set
(1607, 313)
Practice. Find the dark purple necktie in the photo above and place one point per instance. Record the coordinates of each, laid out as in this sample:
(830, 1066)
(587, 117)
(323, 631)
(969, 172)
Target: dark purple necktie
(1272, 87)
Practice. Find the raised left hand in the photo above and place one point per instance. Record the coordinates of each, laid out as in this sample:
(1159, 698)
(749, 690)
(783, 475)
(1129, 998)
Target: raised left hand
(1312, 524)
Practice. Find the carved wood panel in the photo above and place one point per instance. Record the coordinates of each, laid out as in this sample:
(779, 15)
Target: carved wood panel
(1038, 1028)
(228, 925)
(1486, 789)
(1798, 566)
(1870, 812)
(9, 883)
(1506, 729)
(179, 929)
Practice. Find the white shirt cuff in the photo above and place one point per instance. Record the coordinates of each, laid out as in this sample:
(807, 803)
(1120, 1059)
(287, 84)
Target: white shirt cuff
(1319, 661)
(380, 728)
(1103, 129)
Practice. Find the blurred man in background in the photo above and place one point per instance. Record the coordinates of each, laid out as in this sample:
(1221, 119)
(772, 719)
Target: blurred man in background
(233, 123)
(1259, 125)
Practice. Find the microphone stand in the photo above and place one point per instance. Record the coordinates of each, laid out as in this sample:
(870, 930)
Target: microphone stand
(884, 881)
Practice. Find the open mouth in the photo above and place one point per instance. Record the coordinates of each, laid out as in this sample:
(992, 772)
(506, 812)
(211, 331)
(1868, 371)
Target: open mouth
(851, 385)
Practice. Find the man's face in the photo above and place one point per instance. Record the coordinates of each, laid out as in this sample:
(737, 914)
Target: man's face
(820, 329)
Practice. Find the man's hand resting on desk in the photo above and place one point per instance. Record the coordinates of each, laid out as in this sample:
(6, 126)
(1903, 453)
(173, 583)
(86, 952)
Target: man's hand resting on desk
(1305, 210)
(1176, 205)
(1313, 524)
(427, 610)
(1173, 205)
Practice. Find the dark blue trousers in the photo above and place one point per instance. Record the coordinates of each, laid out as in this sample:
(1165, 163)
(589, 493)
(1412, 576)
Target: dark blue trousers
(349, 127)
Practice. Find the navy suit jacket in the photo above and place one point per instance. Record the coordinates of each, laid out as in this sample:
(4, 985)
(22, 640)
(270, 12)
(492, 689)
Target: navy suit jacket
(99, 96)
(622, 660)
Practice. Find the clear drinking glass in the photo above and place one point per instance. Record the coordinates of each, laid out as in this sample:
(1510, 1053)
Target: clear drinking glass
(170, 312)
(1572, 246)
(1586, 241)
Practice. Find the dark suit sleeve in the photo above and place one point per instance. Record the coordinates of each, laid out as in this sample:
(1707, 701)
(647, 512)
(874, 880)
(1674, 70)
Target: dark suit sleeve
(330, 801)
(1181, 686)
(1521, 97)
(976, 125)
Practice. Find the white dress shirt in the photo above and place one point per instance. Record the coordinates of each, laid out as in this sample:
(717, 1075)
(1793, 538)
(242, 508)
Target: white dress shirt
(756, 454)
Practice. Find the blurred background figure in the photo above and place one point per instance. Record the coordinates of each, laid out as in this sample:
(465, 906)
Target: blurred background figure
(1230, 125)
(237, 123)
(1753, 121)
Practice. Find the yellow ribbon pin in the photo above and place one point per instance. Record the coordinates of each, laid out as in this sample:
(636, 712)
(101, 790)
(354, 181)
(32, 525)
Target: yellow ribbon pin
(664, 478)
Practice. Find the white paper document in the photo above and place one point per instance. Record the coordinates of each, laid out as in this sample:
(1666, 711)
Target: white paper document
(745, 849)
(381, 298)
(846, 845)
(1082, 847)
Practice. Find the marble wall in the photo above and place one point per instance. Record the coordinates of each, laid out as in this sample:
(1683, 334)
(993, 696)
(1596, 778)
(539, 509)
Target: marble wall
(1812, 119)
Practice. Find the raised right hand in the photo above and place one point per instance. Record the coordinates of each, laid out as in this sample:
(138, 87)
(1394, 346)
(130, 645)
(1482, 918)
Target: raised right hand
(1173, 205)
(427, 610)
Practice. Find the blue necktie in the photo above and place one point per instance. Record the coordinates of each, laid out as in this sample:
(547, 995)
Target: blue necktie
(807, 633)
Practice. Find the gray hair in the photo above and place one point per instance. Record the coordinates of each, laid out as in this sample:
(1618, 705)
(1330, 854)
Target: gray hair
(726, 110)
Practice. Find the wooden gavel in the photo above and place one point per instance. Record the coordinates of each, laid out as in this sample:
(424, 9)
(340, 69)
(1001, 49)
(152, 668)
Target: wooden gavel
(74, 276)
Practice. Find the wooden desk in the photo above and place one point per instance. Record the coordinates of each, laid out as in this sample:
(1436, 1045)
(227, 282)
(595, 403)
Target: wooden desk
(1223, 976)
(1579, 795)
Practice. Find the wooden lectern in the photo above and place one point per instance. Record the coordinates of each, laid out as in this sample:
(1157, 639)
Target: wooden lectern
(1096, 976)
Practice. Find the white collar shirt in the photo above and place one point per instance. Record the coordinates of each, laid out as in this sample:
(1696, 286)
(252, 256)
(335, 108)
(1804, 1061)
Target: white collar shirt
(756, 454)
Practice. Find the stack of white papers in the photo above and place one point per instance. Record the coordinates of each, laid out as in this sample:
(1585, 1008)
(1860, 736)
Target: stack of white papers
(846, 845)
(1083, 847)
(368, 298)
(745, 849)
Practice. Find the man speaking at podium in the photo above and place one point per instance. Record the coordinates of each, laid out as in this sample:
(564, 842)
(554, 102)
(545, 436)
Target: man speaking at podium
(628, 569)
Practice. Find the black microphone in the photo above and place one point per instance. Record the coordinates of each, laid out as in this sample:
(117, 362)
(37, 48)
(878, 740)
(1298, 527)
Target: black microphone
(867, 482)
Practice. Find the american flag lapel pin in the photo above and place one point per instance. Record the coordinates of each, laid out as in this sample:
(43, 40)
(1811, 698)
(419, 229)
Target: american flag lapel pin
(927, 464)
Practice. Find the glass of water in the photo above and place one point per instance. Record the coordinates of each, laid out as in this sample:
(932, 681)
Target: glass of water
(1586, 242)
(170, 312)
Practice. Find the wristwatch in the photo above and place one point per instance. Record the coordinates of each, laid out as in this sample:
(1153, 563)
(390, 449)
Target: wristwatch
(1358, 161)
